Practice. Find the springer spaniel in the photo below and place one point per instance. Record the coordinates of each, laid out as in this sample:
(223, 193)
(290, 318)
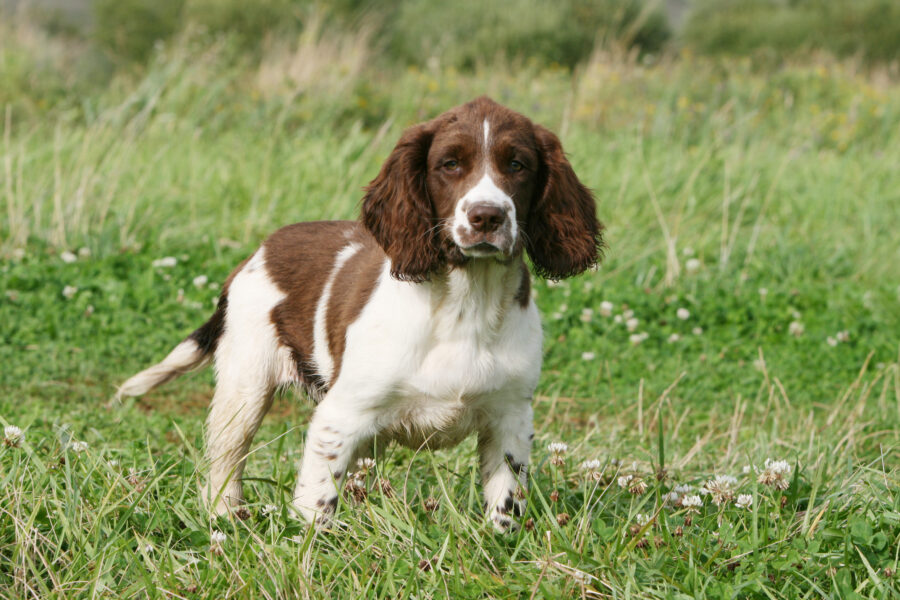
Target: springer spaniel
(414, 324)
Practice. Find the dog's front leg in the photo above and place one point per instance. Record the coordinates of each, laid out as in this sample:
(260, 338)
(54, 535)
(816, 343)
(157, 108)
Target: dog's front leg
(504, 444)
(335, 435)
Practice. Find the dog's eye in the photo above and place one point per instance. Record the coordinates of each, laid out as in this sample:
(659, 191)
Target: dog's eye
(450, 165)
(515, 166)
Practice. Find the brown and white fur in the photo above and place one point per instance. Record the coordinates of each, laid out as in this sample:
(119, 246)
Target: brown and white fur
(414, 324)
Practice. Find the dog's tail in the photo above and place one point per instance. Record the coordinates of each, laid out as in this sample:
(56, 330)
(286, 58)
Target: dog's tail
(194, 352)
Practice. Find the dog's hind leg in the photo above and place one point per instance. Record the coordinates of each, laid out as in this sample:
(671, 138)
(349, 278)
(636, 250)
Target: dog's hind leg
(241, 401)
(250, 363)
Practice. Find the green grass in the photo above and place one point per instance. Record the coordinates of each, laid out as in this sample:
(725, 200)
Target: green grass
(781, 180)
(869, 29)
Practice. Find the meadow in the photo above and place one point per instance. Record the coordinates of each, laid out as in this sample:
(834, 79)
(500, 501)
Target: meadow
(722, 394)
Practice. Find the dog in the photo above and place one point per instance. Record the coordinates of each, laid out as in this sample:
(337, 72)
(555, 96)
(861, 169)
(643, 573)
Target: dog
(414, 324)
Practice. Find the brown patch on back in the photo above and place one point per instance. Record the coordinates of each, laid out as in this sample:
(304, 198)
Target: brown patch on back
(351, 290)
(299, 259)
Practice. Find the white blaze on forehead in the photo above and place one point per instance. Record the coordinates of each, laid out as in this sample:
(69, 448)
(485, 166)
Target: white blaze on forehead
(488, 191)
(487, 132)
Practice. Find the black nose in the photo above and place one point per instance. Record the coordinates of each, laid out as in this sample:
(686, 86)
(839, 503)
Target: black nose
(485, 217)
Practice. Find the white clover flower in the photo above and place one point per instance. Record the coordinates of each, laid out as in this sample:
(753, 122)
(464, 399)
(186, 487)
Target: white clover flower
(84, 252)
(366, 464)
(593, 469)
(148, 547)
(200, 280)
(628, 314)
(637, 487)
(588, 356)
(637, 338)
(112, 463)
(796, 328)
(68, 257)
(617, 319)
(165, 262)
(692, 265)
(563, 307)
(79, 446)
(558, 453)
(721, 489)
(671, 497)
(586, 315)
(697, 331)
(763, 292)
(775, 473)
(624, 481)
(843, 336)
(683, 314)
(69, 291)
(831, 341)
(692, 503)
(13, 436)
(641, 519)
(632, 324)
(674, 338)
(683, 489)
(744, 501)
(268, 509)
(606, 308)
(558, 447)
(557, 316)
(216, 539)
(746, 469)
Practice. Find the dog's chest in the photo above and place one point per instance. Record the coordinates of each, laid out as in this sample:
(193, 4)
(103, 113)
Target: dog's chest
(463, 374)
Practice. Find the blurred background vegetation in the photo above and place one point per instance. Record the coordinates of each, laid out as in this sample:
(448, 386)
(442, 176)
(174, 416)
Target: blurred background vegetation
(53, 47)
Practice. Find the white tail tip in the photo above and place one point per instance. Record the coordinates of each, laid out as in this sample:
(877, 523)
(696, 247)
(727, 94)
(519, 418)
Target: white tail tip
(184, 357)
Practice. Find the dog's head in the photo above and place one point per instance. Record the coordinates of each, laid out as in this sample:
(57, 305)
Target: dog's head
(481, 182)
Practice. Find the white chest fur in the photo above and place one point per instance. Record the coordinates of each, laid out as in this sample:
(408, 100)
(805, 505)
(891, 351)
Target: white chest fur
(433, 359)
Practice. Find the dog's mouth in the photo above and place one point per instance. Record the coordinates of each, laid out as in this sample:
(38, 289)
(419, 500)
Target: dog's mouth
(499, 243)
(483, 248)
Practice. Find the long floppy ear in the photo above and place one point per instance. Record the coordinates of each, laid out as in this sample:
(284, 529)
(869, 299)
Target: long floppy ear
(563, 236)
(397, 211)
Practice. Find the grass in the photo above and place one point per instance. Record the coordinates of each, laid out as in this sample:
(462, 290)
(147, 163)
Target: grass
(783, 181)
(867, 28)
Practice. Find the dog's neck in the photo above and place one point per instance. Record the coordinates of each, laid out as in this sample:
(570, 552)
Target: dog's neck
(481, 291)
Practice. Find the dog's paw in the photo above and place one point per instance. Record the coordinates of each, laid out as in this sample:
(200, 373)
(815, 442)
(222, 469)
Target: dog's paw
(504, 523)
(319, 512)
(502, 513)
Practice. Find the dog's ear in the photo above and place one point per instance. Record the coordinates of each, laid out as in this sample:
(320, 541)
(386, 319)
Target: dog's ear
(563, 237)
(398, 212)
